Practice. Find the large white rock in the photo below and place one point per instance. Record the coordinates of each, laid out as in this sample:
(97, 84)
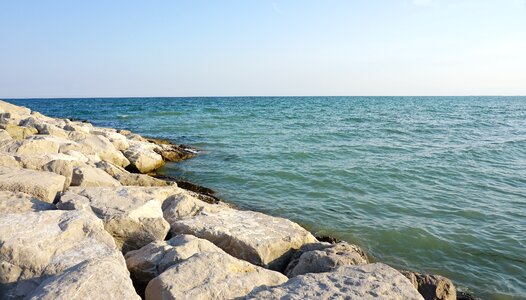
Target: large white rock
(151, 260)
(372, 281)
(132, 215)
(324, 257)
(142, 156)
(19, 132)
(39, 245)
(103, 278)
(7, 160)
(16, 202)
(100, 146)
(118, 140)
(7, 107)
(255, 237)
(34, 145)
(210, 275)
(87, 176)
(130, 179)
(5, 136)
(50, 129)
(43, 185)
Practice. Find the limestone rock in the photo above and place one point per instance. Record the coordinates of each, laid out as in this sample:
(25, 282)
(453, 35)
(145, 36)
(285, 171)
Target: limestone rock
(50, 129)
(432, 287)
(255, 237)
(151, 260)
(16, 202)
(43, 185)
(11, 108)
(372, 281)
(132, 215)
(100, 146)
(91, 279)
(118, 140)
(38, 245)
(62, 167)
(19, 132)
(130, 179)
(324, 257)
(33, 145)
(143, 157)
(91, 177)
(210, 275)
(7, 160)
(4, 135)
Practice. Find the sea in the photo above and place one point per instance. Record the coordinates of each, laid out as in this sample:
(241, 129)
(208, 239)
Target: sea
(431, 184)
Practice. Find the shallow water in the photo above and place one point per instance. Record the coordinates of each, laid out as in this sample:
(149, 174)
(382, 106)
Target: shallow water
(436, 184)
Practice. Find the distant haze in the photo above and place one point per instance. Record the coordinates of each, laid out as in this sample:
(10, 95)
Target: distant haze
(241, 47)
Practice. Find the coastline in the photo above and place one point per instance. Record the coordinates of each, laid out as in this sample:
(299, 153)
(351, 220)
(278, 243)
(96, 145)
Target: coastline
(87, 163)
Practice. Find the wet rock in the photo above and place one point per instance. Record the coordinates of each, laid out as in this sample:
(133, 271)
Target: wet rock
(39, 245)
(255, 237)
(132, 215)
(43, 185)
(432, 287)
(324, 257)
(91, 177)
(372, 281)
(210, 275)
(16, 202)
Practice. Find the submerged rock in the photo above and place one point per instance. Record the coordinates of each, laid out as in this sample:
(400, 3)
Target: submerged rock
(36, 246)
(255, 237)
(432, 287)
(324, 257)
(132, 215)
(43, 185)
(372, 281)
(210, 275)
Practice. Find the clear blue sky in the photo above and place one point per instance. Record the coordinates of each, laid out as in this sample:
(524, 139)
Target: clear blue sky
(257, 47)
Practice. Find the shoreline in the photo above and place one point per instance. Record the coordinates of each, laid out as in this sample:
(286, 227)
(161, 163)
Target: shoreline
(91, 162)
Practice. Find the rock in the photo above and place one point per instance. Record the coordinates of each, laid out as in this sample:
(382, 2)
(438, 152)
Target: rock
(324, 257)
(132, 215)
(255, 237)
(432, 287)
(210, 275)
(43, 185)
(372, 281)
(16, 202)
(37, 162)
(11, 108)
(78, 126)
(129, 179)
(38, 245)
(4, 135)
(91, 279)
(174, 153)
(101, 146)
(143, 158)
(50, 129)
(7, 160)
(19, 132)
(34, 145)
(151, 260)
(91, 177)
(62, 167)
(118, 140)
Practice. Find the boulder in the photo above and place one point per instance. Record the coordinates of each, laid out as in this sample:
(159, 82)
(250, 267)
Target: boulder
(130, 179)
(87, 176)
(50, 129)
(16, 202)
(43, 185)
(37, 162)
(62, 167)
(118, 140)
(324, 257)
(100, 146)
(4, 135)
(255, 237)
(432, 287)
(372, 281)
(39, 245)
(19, 132)
(132, 215)
(7, 107)
(151, 260)
(91, 279)
(81, 127)
(210, 275)
(143, 158)
(7, 160)
(33, 145)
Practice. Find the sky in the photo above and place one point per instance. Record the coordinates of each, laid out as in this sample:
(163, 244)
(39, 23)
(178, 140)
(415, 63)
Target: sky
(174, 48)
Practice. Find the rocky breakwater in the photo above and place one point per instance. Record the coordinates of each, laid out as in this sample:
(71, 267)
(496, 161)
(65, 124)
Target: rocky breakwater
(81, 219)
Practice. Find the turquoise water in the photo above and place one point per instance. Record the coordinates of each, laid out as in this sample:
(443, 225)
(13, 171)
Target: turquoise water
(437, 184)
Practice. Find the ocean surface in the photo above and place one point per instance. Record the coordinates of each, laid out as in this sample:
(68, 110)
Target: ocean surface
(434, 184)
